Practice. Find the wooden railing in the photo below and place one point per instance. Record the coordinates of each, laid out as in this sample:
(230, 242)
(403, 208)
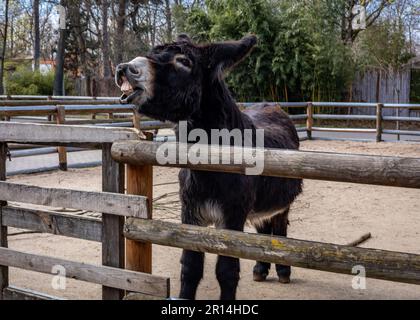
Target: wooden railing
(376, 170)
(112, 203)
(130, 215)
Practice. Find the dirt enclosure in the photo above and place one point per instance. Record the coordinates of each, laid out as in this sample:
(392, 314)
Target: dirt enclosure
(326, 211)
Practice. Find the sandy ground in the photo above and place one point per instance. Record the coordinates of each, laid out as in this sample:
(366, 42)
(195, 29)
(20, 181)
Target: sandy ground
(326, 211)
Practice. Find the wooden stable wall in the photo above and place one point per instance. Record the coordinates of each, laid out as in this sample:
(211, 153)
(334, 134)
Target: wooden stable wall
(386, 86)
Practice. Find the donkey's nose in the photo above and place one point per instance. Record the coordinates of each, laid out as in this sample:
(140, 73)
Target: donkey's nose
(126, 69)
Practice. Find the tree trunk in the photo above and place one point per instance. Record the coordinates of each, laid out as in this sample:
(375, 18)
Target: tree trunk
(119, 36)
(3, 53)
(105, 39)
(59, 62)
(168, 13)
(37, 45)
(79, 31)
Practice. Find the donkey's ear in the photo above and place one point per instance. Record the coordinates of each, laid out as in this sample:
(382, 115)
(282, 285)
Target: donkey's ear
(226, 55)
(183, 37)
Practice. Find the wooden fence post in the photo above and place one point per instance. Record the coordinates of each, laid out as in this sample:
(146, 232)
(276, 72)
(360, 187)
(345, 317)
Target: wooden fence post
(62, 151)
(49, 117)
(310, 120)
(112, 226)
(379, 107)
(4, 271)
(140, 182)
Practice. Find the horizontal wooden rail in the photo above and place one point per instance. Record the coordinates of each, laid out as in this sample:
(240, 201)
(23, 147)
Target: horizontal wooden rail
(105, 202)
(110, 277)
(376, 170)
(345, 130)
(342, 117)
(16, 103)
(85, 228)
(402, 119)
(298, 116)
(89, 136)
(380, 264)
(70, 110)
(402, 132)
(14, 293)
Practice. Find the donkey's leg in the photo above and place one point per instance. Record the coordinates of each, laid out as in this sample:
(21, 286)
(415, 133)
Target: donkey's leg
(192, 264)
(228, 268)
(279, 224)
(191, 273)
(261, 269)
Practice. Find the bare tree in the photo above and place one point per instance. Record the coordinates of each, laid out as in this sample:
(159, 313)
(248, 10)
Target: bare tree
(119, 34)
(105, 40)
(59, 61)
(3, 53)
(374, 9)
(37, 41)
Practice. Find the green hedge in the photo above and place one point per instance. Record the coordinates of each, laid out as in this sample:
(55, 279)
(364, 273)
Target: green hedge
(27, 82)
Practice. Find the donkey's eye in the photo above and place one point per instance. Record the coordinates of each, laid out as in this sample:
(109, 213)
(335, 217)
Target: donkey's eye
(184, 61)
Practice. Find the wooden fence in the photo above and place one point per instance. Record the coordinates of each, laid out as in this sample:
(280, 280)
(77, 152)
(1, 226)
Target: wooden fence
(112, 203)
(130, 216)
(390, 171)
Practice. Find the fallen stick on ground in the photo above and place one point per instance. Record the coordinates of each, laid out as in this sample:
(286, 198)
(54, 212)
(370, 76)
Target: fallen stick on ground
(165, 184)
(360, 240)
(22, 233)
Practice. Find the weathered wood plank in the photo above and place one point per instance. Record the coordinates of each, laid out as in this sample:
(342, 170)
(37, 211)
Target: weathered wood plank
(14, 293)
(309, 120)
(85, 228)
(106, 202)
(11, 103)
(140, 182)
(4, 270)
(380, 264)
(113, 242)
(379, 128)
(376, 170)
(62, 135)
(347, 130)
(62, 152)
(112, 277)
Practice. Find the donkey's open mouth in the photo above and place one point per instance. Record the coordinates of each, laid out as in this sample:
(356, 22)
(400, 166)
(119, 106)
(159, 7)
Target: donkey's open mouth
(129, 93)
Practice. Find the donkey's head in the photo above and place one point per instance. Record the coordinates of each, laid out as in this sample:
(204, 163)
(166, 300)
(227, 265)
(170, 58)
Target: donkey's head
(168, 83)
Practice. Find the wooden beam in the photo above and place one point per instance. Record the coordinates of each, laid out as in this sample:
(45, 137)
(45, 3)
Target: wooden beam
(4, 270)
(140, 182)
(14, 293)
(79, 227)
(380, 264)
(106, 202)
(379, 119)
(376, 170)
(113, 242)
(345, 130)
(62, 152)
(111, 277)
(53, 102)
(309, 120)
(62, 135)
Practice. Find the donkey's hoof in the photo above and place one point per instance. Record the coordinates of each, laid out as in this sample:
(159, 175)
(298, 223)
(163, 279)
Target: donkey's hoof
(284, 279)
(260, 277)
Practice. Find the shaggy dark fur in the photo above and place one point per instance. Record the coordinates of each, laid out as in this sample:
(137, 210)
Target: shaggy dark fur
(202, 98)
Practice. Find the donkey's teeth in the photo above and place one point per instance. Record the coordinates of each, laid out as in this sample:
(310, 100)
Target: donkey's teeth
(126, 86)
